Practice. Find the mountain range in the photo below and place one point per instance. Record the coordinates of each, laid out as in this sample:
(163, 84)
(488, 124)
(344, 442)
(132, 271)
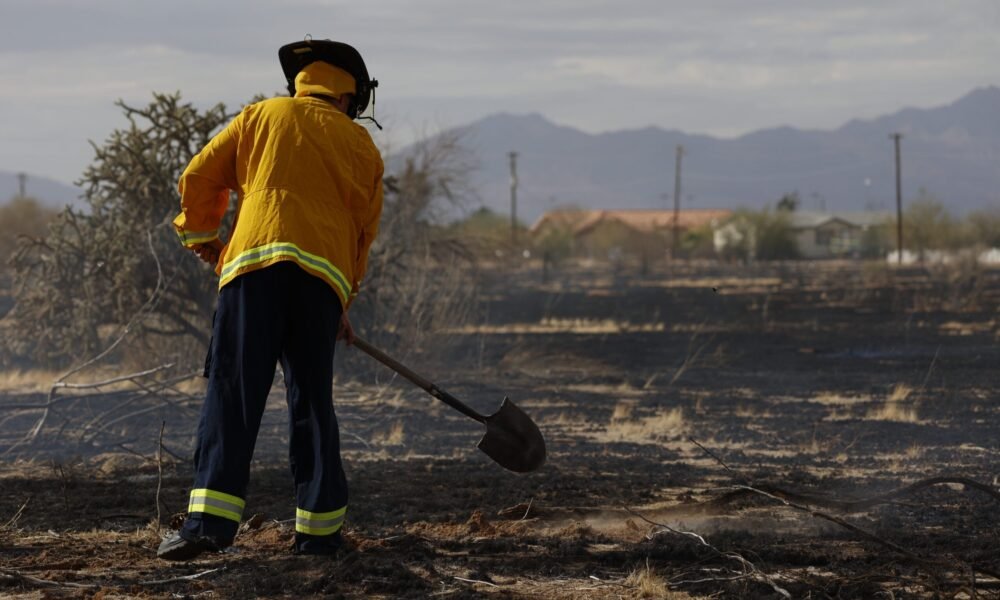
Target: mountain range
(49, 192)
(950, 152)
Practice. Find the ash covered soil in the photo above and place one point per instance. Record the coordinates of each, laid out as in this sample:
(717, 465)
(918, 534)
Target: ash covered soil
(662, 398)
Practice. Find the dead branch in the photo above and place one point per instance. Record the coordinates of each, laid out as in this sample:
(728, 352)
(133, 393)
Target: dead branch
(181, 578)
(790, 499)
(852, 506)
(16, 516)
(97, 384)
(44, 582)
(750, 570)
(717, 459)
(159, 473)
(140, 314)
(124, 417)
(846, 506)
(926, 563)
(477, 581)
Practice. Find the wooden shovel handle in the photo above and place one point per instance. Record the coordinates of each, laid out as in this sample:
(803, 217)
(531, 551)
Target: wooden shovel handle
(425, 384)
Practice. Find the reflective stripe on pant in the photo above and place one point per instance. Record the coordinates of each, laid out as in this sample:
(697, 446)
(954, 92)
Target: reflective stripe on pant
(277, 313)
(216, 503)
(313, 523)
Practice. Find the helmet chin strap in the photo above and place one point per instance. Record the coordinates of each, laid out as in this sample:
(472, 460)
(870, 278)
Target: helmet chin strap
(374, 85)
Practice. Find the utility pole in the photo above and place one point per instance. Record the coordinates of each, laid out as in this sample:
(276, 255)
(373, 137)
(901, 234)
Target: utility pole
(22, 184)
(899, 201)
(513, 201)
(677, 204)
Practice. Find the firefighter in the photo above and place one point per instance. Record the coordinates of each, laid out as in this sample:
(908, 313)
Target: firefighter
(309, 185)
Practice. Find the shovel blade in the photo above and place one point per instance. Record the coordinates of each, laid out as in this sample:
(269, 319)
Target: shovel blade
(513, 440)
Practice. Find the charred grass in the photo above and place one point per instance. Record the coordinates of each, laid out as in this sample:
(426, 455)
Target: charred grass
(659, 398)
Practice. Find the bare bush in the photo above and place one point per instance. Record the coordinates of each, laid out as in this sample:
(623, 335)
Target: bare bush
(96, 268)
(417, 279)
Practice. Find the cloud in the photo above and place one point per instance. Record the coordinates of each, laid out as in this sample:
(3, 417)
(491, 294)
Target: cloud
(718, 66)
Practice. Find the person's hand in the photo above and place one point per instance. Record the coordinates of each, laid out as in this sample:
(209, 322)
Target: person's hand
(209, 251)
(345, 332)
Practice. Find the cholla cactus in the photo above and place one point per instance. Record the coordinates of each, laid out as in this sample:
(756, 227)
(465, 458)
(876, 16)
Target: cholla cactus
(117, 262)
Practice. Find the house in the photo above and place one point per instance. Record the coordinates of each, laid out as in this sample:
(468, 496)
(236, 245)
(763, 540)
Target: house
(609, 233)
(816, 234)
(833, 235)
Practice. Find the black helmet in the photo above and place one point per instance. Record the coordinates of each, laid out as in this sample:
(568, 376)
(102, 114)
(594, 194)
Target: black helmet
(295, 56)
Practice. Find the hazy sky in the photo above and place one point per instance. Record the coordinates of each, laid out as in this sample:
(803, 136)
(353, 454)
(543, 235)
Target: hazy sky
(723, 67)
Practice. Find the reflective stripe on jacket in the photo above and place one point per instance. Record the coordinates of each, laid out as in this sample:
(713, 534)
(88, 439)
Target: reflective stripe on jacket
(309, 186)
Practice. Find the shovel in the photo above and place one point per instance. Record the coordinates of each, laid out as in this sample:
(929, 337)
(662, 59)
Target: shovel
(512, 439)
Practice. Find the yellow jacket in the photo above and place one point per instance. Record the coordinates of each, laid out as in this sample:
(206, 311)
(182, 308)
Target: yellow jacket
(308, 180)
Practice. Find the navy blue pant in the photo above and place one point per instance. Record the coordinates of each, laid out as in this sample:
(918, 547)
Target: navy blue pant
(277, 313)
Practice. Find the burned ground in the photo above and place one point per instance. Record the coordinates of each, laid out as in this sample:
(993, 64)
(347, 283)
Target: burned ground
(663, 399)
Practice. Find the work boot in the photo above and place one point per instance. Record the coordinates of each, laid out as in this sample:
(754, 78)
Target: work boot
(177, 547)
(319, 545)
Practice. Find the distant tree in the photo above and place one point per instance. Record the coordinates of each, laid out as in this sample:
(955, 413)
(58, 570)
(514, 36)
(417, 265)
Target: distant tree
(698, 242)
(983, 228)
(760, 235)
(927, 225)
(789, 202)
(876, 241)
(121, 257)
(483, 230)
(23, 216)
(774, 235)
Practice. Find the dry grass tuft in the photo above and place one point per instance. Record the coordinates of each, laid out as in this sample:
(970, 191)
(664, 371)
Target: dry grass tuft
(897, 408)
(648, 584)
(666, 424)
(394, 436)
(900, 393)
(895, 411)
(623, 411)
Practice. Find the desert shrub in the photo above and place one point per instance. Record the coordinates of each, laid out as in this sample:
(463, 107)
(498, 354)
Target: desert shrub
(927, 225)
(763, 235)
(418, 278)
(23, 216)
(983, 228)
(483, 232)
(119, 263)
(698, 242)
(98, 269)
(876, 241)
(775, 238)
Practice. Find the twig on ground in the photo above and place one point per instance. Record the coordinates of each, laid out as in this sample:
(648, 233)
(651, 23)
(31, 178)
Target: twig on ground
(44, 582)
(926, 563)
(527, 510)
(181, 578)
(850, 506)
(691, 356)
(477, 581)
(359, 438)
(159, 473)
(930, 369)
(752, 571)
(717, 459)
(89, 586)
(789, 499)
(16, 516)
